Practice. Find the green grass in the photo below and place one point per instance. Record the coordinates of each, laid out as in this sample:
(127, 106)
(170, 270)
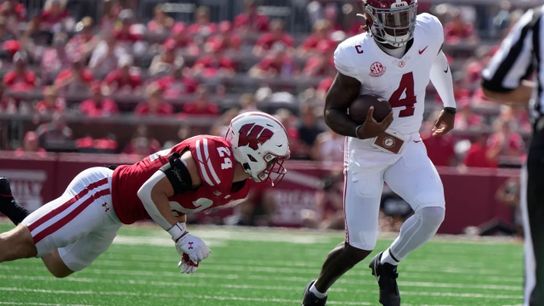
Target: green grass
(267, 267)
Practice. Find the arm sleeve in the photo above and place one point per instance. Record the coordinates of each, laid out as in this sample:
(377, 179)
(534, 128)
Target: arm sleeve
(144, 194)
(442, 80)
(341, 61)
(513, 61)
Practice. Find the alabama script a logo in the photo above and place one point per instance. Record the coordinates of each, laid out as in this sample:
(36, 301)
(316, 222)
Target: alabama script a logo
(253, 135)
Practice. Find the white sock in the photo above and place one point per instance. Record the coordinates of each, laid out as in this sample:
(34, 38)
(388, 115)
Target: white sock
(387, 258)
(314, 290)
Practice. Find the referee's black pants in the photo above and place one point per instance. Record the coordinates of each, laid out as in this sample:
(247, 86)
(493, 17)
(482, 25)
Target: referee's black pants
(534, 272)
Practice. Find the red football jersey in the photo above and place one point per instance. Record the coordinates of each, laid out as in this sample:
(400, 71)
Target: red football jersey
(215, 162)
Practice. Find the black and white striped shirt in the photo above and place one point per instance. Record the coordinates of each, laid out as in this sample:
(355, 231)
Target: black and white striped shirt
(520, 55)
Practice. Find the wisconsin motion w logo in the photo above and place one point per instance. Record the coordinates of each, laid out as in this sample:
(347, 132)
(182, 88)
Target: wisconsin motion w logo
(252, 135)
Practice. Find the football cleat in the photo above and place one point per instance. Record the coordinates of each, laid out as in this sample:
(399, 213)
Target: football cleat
(5, 190)
(386, 275)
(311, 299)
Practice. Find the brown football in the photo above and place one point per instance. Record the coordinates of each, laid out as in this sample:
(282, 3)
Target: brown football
(359, 108)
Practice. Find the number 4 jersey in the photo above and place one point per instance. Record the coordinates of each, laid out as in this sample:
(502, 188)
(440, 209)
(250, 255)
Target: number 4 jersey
(402, 81)
(215, 162)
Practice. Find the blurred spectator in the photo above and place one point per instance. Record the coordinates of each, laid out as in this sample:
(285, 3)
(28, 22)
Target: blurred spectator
(201, 106)
(30, 145)
(509, 194)
(277, 63)
(440, 149)
(141, 143)
(110, 15)
(258, 208)
(54, 58)
(202, 27)
(320, 64)
(277, 35)
(13, 12)
(161, 23)
(328, 212)
(466, 118)
(184, 132)
(55, 135)
(329, 148)
(126, 33)
(248, 103)
(165, 61)
(51, 102)
(181, 39)
(318, 39)
(214, 64)
(177, 83)
(105, 57)
(6, 34)
(478, 153)
(55, 17)
(154, 105)
(83, 43)
(20, 78)
(221, 124)
(8, 105)
(250, 20)
(457, 30)
(98, 105)
(505, 145)
(76, 80)
(225, 40)
(289, 121)
(323, 87)
(89, 144)
(125, 78)
(324, 10)
(308, 128)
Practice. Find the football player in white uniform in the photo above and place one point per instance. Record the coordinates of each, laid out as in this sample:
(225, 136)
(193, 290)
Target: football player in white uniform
(394, 60)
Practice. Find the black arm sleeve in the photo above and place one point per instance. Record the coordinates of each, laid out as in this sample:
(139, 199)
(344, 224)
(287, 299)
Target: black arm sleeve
(177, 174)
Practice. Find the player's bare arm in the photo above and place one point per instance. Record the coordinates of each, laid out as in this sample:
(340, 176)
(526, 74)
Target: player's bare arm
(441, 78)
(343, 92)
(173, 178)
(519, 96)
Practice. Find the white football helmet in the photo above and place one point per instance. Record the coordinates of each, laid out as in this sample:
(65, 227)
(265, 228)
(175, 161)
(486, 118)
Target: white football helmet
(391, 22)
(260, 144)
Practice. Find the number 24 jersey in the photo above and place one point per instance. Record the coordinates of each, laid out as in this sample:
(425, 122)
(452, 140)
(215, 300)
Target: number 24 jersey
(215, 163)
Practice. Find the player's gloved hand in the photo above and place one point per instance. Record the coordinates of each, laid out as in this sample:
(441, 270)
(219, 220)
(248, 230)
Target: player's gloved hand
(186, 265)
(372, 128)
(194, 247)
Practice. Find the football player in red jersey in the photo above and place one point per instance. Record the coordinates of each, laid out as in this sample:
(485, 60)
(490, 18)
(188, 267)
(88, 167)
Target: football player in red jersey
(199, 173)
(395, 60)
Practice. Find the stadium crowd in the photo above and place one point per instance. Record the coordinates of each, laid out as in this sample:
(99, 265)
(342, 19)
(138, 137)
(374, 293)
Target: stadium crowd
(194, 76)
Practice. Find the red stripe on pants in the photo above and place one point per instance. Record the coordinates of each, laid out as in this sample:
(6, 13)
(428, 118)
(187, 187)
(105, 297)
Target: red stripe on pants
(69, 217)
(66, 204)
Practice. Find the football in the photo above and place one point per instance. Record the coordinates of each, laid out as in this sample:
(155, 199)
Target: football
(359, 108)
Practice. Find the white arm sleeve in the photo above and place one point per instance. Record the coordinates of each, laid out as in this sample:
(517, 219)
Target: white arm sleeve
(442, 80)
(144, 193)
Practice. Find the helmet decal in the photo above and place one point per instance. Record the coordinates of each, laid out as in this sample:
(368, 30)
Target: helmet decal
(254, 135)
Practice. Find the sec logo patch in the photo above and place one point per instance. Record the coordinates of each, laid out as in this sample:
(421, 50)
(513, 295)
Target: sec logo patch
(377, 69)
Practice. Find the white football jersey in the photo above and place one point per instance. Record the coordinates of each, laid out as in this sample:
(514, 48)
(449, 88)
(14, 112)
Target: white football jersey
(400, 81)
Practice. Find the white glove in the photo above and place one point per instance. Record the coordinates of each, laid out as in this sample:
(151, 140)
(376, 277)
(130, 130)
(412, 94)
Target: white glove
(194, 247)
(186, 265)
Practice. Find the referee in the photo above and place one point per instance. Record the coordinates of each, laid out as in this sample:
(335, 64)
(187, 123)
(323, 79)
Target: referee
(506, 79)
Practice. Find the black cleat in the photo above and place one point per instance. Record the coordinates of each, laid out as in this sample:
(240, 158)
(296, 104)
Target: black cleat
(310, 299)
(5, 190)
(386, 275)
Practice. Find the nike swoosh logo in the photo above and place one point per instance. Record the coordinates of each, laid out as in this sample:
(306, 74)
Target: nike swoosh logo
(447, 69)
(417, 141)
(422, 50)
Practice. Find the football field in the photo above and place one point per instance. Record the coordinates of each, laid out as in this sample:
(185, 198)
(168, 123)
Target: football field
(260, 266)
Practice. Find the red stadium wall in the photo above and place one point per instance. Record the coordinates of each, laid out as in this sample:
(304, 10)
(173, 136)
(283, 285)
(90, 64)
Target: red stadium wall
(470, 195)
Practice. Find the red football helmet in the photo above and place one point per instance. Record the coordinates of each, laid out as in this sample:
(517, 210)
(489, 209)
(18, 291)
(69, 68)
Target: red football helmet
(391, 22)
